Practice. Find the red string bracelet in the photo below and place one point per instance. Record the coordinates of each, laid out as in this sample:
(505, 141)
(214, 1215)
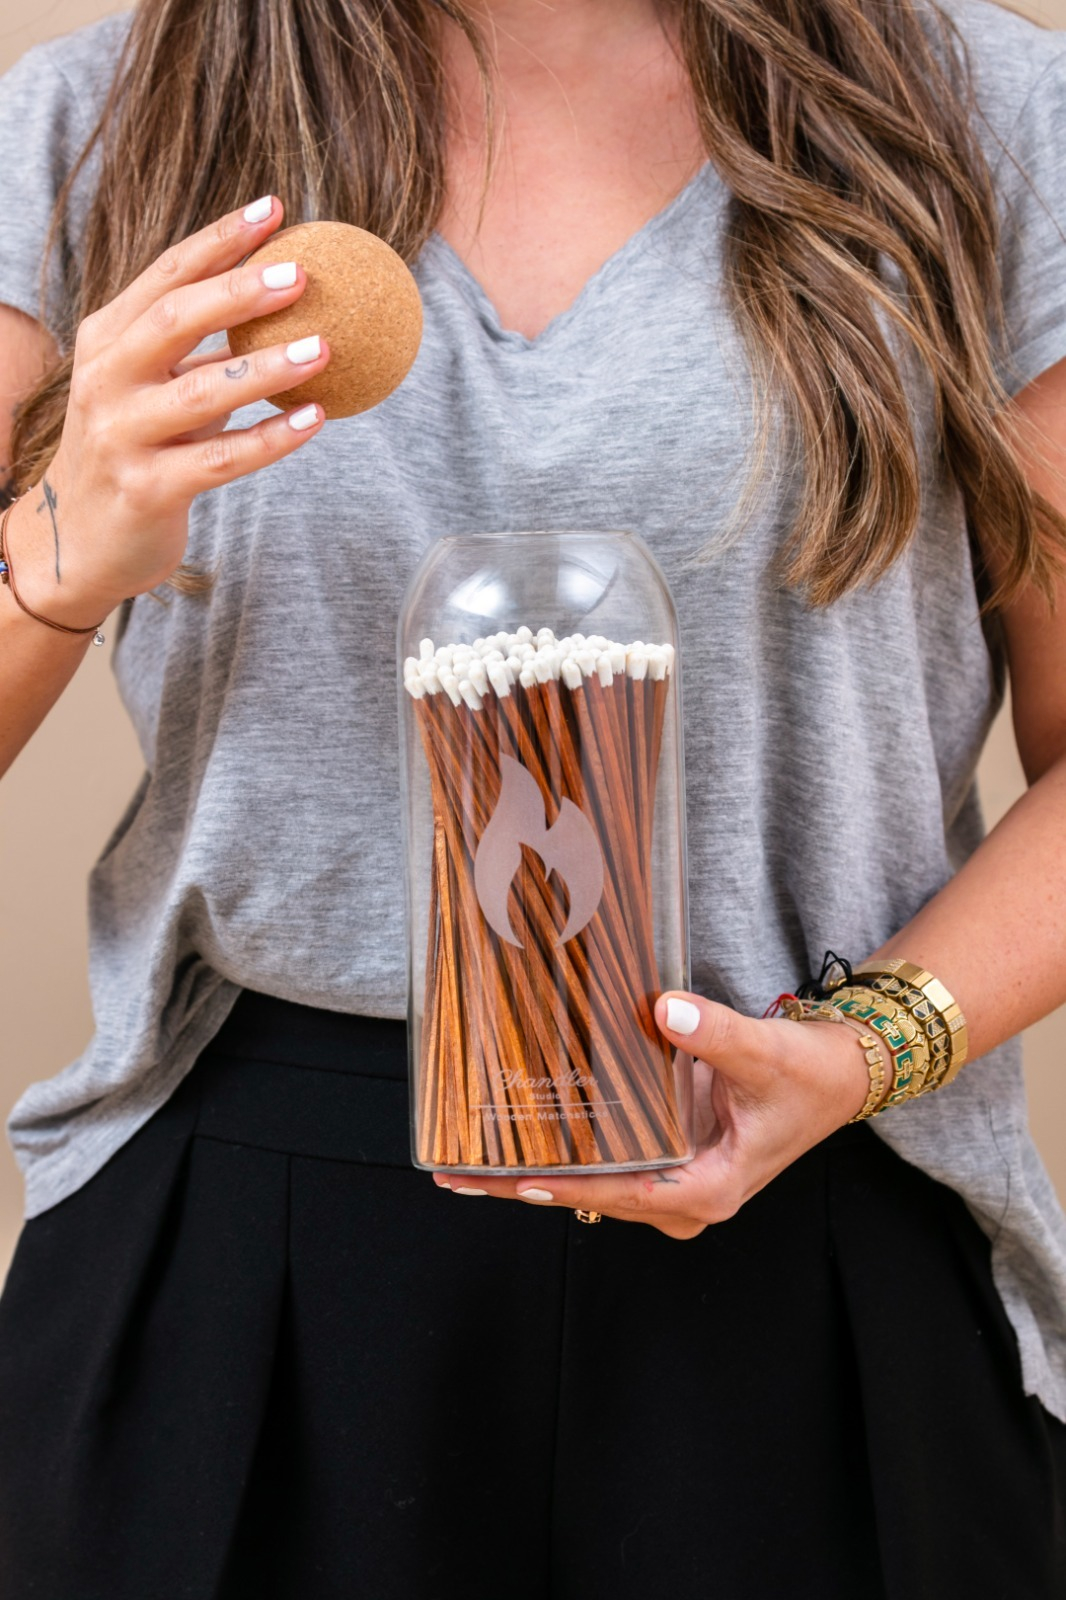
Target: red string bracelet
(778, 1005)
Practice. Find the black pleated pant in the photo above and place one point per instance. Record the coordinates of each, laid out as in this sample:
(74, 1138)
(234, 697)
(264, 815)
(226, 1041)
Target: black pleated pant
(258, 1356)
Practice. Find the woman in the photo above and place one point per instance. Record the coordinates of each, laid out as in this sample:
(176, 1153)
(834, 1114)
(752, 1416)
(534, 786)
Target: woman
(245, 1348)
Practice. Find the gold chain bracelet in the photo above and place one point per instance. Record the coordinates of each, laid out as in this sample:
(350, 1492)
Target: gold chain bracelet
(820, 1011)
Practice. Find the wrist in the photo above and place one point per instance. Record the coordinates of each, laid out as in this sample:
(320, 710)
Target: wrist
(853, 1063)
(48, 578)
(844, 1064)
(859, 1079)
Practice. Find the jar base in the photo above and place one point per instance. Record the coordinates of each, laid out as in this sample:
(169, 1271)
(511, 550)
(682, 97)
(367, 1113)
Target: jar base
(544, 1172)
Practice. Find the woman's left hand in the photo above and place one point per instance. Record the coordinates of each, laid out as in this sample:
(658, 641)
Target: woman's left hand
(767, 1090)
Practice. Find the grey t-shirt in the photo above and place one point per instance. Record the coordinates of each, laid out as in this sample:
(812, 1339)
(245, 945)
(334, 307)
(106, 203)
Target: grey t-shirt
(262, 846)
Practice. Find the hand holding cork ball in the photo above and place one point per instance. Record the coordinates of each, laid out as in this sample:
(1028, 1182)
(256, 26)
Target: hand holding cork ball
(360, 296)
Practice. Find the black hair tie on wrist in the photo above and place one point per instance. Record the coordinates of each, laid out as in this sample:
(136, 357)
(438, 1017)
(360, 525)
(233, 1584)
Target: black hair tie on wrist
(819, 988)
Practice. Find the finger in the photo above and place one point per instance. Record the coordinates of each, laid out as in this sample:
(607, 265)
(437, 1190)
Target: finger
(235, 452)
(221, 353)
(738, 1046)
(173, 325)
(674, 1226)
(658, 1194)
(204, 392)
(209, 428)
(213, 249)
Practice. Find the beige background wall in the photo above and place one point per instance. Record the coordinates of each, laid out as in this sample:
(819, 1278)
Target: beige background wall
(63, 795)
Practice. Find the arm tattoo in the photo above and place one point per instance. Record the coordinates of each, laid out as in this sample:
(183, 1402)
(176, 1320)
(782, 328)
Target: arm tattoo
(237, 372)
(51, 500)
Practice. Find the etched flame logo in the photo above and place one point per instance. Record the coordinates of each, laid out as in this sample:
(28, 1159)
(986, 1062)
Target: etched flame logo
(569, 847)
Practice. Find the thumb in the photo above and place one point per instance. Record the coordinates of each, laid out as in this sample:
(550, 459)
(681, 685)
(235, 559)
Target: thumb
(716, 1034)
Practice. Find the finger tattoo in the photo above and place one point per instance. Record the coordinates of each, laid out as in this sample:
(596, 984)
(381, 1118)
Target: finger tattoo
(237, 372)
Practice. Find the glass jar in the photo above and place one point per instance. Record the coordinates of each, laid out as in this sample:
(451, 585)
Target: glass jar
(545, 847)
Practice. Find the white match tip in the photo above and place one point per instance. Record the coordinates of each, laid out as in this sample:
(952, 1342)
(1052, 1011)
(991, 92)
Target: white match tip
(543, 665)
(411, 665)
(478, 675)
(499, 680)
(450, 684)
(571, 673)
(604, 670)
(527, 677)
(430, 677)
(425, 649)
(524, 634)
(415, 687)
(637, 664)
(470, 694)
(670, 653)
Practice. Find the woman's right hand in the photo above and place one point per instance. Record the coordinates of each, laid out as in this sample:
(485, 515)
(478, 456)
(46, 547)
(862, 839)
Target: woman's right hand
(145, 428)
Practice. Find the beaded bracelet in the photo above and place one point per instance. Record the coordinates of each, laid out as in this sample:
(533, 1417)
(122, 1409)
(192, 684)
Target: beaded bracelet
(7, 576)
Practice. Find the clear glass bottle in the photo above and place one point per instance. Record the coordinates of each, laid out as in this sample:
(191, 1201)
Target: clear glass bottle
(545, 846)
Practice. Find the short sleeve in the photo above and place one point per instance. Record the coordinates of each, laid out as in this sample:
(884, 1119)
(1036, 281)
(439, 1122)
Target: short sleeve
(38, 145)
(1030, 177)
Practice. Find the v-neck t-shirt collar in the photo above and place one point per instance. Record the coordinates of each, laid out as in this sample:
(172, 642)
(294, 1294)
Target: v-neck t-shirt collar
(439, 258)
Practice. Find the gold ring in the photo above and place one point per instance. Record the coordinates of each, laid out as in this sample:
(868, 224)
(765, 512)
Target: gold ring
(588, 1216)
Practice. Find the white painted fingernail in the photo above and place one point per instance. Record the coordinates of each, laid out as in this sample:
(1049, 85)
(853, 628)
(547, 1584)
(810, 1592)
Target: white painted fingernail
(306, 417)
(460, 1190)
(280, 275)
(301, 350)
(535, 1194)
(682, 1016)
(259, 210)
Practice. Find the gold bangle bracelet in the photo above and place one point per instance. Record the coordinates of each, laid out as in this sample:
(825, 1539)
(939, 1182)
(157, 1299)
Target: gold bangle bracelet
(932, 1006)
(912, 1065)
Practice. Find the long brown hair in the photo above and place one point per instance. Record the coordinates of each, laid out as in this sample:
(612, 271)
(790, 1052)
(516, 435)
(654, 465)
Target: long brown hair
(844, 129)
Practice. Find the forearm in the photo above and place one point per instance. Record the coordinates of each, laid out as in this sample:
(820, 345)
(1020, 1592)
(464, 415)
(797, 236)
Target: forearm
(995, 935)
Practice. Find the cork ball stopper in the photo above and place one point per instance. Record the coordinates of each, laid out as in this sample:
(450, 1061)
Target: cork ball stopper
(360, 296)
